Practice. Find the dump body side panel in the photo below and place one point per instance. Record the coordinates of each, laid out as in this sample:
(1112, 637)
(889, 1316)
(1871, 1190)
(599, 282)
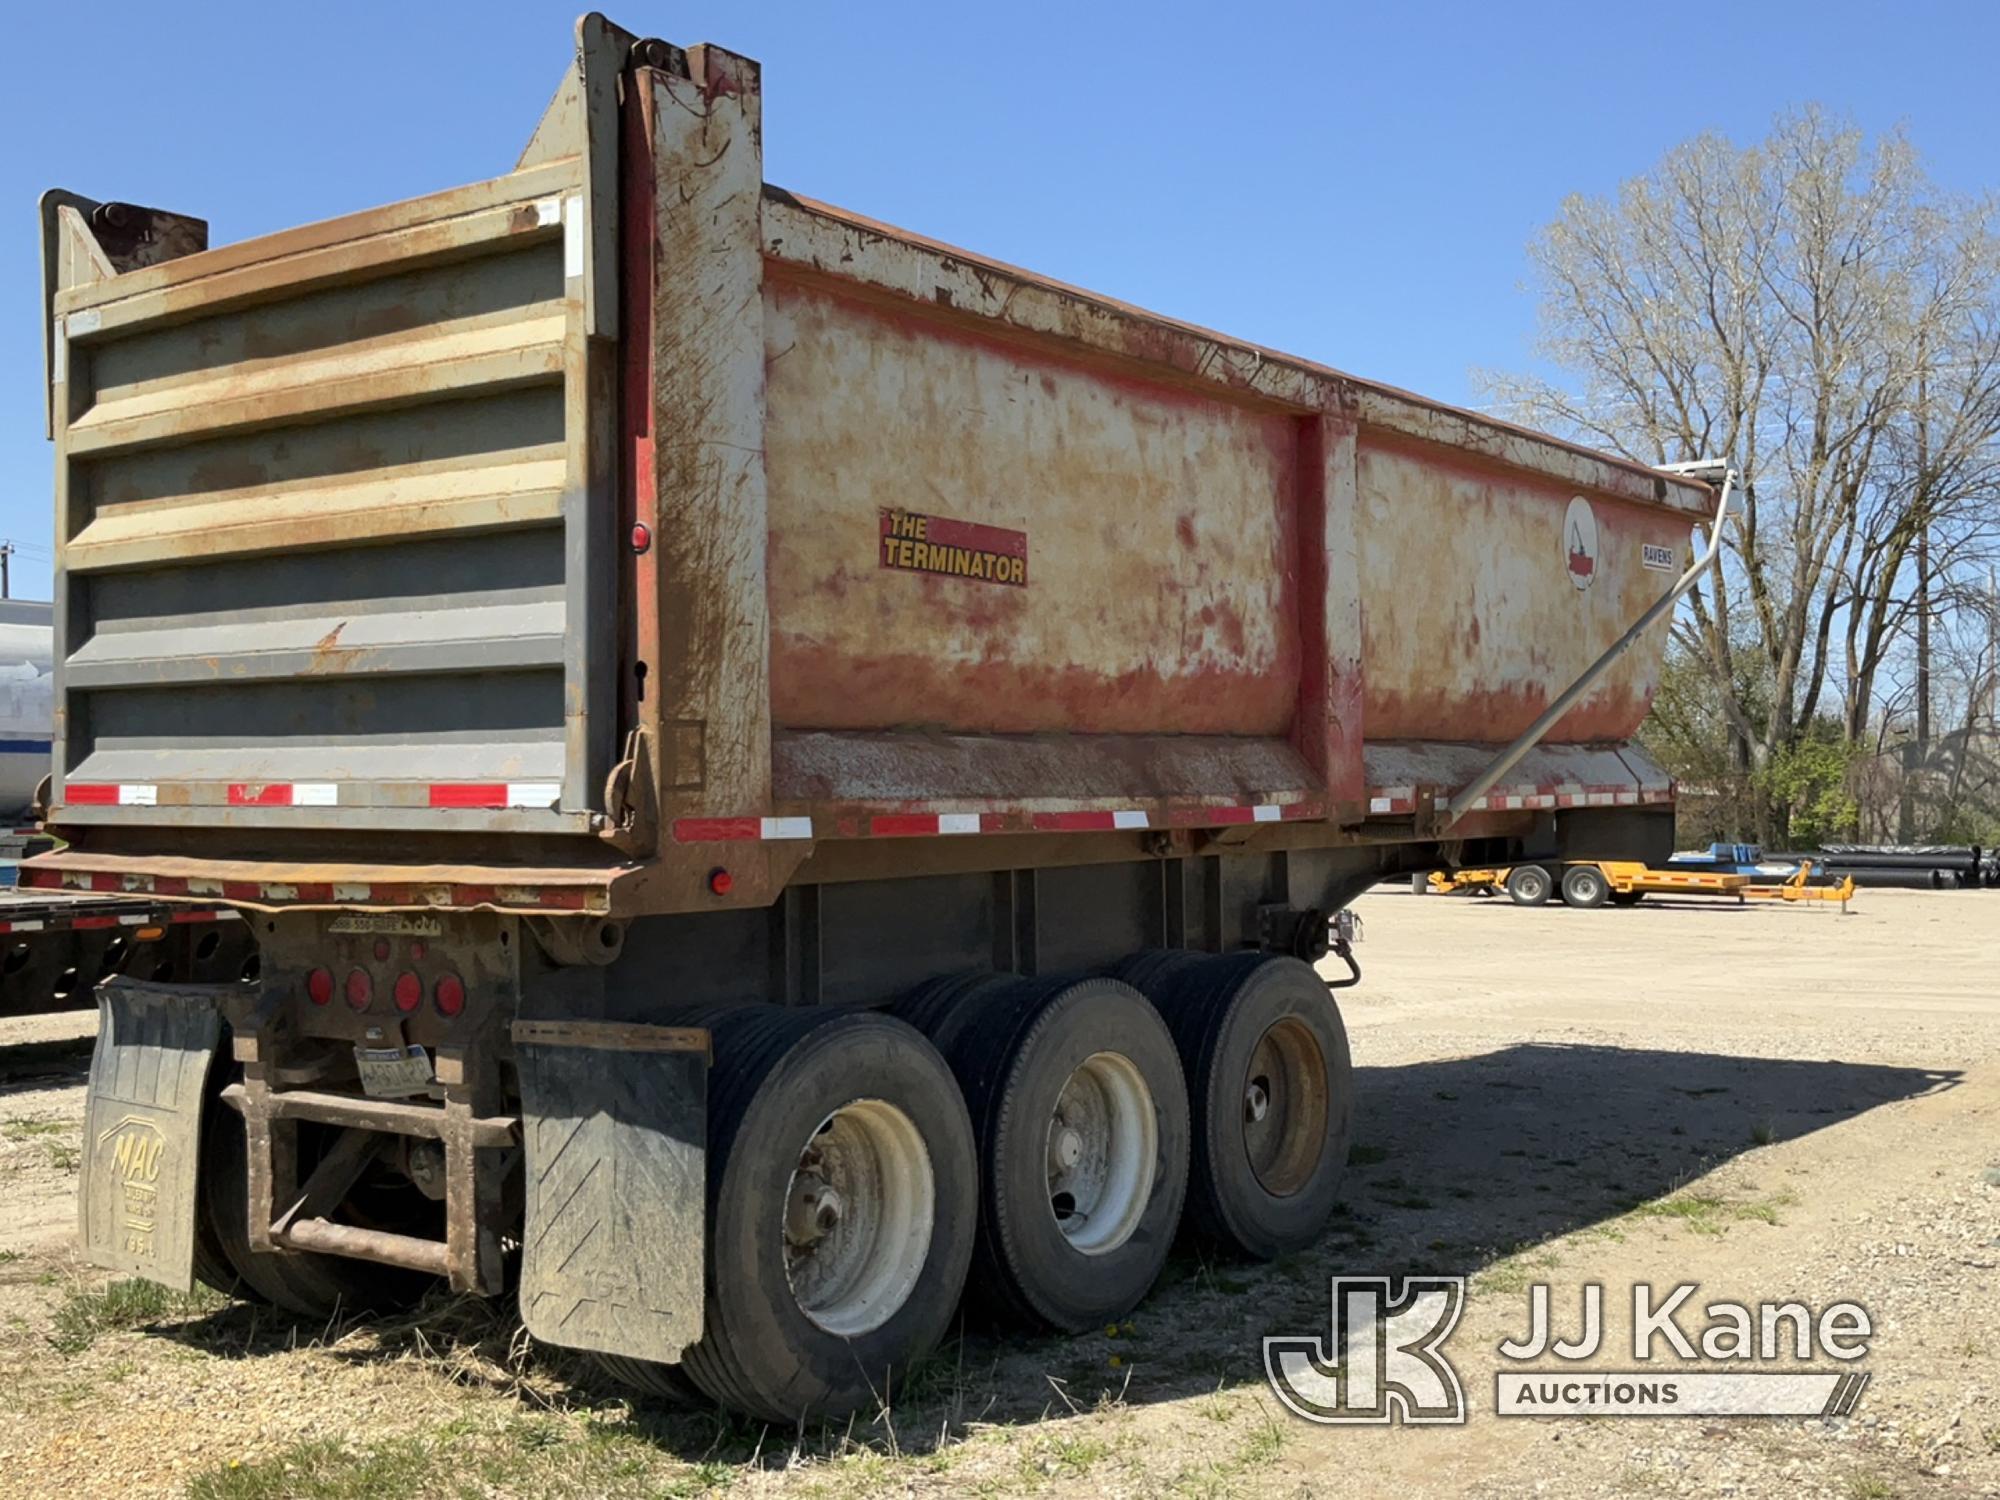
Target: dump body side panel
(1488, 589)
(1157, 527)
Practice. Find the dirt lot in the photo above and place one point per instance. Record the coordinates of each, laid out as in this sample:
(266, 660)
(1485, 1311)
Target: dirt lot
(1774, 1102)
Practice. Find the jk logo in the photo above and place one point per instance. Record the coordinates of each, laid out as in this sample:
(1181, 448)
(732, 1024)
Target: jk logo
(1383, 1359)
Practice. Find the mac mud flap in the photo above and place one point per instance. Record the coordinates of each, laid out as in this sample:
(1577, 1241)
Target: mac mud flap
(615, 1119)
(142, 1126)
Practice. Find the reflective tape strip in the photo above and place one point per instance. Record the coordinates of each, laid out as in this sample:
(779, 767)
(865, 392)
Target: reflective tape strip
(927, 825)
(284, 794)
(495, 795)
(111, 794)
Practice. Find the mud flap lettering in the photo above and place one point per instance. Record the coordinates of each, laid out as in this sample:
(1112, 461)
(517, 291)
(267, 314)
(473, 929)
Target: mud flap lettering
(142, 1127)
(614, 1118)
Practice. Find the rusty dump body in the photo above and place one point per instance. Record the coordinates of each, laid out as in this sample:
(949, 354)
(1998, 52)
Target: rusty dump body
(352, 610)
(621, 620)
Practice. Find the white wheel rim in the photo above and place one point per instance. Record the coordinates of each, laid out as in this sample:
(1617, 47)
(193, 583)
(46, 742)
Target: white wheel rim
(1103, 1152)
(857, 1217)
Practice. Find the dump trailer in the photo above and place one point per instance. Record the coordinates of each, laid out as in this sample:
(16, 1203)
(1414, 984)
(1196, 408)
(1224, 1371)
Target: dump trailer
(779, 769)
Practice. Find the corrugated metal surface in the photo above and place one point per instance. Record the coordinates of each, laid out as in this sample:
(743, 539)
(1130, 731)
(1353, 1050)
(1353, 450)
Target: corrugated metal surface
(334, 507)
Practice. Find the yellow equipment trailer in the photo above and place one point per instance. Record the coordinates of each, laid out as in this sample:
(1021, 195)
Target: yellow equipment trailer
(1619, 882)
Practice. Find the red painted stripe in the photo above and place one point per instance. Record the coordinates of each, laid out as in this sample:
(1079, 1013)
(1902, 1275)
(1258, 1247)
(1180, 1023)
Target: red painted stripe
(1299, 812)
(469, 794)
(42, 880)
(574, 897)
(264, 794)
(169, 885)
(902, 825)
(206, 914)
(93, 792)
(313, 893)
(717, 830)
(242, 890)
(1228, 815)
(475, 895)
(102, 882)
(85, 922)
(1075, 822)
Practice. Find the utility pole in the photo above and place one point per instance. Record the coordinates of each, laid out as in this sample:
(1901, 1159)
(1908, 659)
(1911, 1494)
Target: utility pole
(6, 559)
(1923, 557)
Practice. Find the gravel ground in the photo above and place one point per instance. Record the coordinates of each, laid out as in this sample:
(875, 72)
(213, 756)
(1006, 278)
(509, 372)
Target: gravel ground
(1776, 1103)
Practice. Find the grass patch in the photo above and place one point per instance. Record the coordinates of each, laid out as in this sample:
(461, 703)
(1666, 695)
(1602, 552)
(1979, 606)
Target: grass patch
(538, 1456)
(1705, 1213)
(27, 1130)
(83, 1315)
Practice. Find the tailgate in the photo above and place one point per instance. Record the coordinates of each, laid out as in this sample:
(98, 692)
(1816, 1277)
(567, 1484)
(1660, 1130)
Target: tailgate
(335, 507)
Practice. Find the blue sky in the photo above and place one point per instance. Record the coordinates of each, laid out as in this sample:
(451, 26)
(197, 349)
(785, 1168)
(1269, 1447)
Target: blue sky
(1353, 183)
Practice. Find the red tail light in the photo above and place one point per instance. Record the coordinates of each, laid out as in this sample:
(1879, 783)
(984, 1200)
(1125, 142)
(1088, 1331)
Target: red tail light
(360, 989)
(409, 992)
(319, 986)
(450, 995)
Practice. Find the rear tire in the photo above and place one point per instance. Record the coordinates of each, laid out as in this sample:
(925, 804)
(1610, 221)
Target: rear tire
(1529, 885)
(1584, 886)
(1271, 1091)
(842, 1206)
(1081, 1117)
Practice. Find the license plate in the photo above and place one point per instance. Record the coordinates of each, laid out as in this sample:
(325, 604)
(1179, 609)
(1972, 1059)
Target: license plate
(393, 1072)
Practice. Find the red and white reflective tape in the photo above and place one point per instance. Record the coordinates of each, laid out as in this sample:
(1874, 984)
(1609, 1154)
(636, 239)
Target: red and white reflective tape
(1566, 794)
(284, 794)
(122, 919)
(495, 793)
(740, 830)
(1390, 800)
(111, 794)
(535, 795)
(930, 825)
(591, 897)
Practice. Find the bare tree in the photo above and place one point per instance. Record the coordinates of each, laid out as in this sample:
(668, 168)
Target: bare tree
(1818, 312)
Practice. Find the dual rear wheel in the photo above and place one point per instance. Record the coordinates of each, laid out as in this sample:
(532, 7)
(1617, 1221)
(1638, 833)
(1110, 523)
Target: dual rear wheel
(1044, 1136)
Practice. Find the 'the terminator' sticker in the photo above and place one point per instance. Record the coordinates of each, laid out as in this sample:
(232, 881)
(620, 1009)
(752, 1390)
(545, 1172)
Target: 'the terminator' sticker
(916, 543)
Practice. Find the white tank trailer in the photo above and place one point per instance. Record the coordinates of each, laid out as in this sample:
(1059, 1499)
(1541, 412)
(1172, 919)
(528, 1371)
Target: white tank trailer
(27, 703)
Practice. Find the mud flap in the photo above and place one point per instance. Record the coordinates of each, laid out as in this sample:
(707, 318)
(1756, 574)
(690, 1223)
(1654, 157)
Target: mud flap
(142, 1127)
(615, 1121)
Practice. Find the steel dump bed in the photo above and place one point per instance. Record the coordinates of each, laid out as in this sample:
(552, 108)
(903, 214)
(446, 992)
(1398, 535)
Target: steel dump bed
(537, 543)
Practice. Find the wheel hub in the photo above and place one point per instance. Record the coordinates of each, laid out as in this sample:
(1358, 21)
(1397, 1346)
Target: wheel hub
(1103, 1149)
(857, 1217)
(1286, 1100)
(1257, 1100)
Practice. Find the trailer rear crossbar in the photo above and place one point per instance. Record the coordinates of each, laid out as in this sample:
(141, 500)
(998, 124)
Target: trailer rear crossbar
(286, 1216)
